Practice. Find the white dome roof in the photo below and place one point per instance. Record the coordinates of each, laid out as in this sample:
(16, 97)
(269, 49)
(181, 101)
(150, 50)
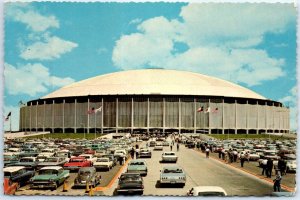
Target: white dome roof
(154, 81)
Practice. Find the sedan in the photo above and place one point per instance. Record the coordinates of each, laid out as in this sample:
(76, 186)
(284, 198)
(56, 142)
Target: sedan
(172, 175)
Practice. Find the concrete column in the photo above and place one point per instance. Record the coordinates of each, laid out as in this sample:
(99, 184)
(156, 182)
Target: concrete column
(36, 116)
(75, 120)
(273, 112)
(247, 122)
(209, 130)
(30, 116)
(117, 114)
(88, 117)
(53, 116)
(195, 116)
(164, 114)
(179, 115)
(223, 117)
(266, 117)
(63, 115)
(132, 115)
(148, 114)
(102, 115)
(44, 116)
(235, 104)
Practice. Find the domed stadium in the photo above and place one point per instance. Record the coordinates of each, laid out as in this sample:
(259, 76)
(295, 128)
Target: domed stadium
(150, 100)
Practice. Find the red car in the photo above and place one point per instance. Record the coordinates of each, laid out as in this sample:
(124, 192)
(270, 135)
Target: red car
(76, 163)
(89, 151)
(10, 188)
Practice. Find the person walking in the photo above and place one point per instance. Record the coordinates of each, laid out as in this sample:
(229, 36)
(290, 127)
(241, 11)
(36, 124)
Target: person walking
(269, 168)
(171, 147)
(242, 158)
(264, 167)
(177, 146)
(207, 152)
(120, 158)
(132, 153)
(277, 183)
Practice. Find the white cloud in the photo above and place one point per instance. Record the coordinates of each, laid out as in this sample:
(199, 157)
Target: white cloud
(135, 21)
(220, 40)
(15, 116)
(24, 13)
(50, 49)
(291, 101)
(101, 50)
(31, 79)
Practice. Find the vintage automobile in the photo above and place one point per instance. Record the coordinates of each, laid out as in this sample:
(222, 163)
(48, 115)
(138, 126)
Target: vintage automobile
(158, 147)
(169, 157)
(10, 187)
(89, 157)
(103, 163)
(42, 156)
(76, 163)
(18, 174)
(30, 163)
(152, 144)
(145, 153)
(111, 158)
(291, 166)
(137, 166)
(63, 154)
(207, 191)
(52, 161)
(172, 175)
(10, 158)
(120, 153)
(49, 177)
(32, 152)
(165, 144)
(130, 183)
(87, 175)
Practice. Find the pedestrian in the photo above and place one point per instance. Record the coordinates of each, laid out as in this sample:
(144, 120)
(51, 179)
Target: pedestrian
(132, 153)
(220, 153)
(223, 153)
(177, 146)
(247, 156)
(136, 153)
(171, 147)
(264, 167)
(120, 158)
(284, 167)
(269, 167)
(242, 158)
(207, 152)
(277, 181)
(235, 153)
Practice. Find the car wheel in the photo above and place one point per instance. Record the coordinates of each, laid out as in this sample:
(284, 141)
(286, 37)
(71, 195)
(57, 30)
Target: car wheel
(55, 186)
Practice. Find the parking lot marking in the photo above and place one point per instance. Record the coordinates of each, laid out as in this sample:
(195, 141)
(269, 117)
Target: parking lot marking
(249, 172)
(114, 178)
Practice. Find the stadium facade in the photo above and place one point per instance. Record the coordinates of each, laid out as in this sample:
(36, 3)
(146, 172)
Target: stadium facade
(155, 100)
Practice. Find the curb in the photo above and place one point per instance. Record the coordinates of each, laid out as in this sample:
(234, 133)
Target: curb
(249, 172)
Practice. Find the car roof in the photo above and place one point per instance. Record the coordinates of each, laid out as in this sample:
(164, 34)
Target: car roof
(208, 189)
(13, 169)
(172, 167)
(87, 169)
(52, 167)
(138, 160)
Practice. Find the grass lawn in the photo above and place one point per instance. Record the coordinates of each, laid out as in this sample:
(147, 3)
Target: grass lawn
(245, 136)
(88, 136)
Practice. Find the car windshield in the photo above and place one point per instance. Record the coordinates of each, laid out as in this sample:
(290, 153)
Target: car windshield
(26, 160)
(130, 178)
(41, 157)
(7, 158)
(51, 160)
(169, 154)
(7, 174)
(84, 173)
(137, 163)
(168, 171)
(207, 194)
(103, 160)
(48, 172)
(76, 160)
(62, 154)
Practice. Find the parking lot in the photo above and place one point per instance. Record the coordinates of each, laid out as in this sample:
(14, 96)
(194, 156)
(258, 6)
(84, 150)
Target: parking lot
(199, 170)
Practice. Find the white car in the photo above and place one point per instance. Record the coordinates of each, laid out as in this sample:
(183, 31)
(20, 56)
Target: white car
(103, 163)
(120, 153)
(291, 165)
(158, 147)
(207, 191)
(89, 157)
(42, 156)
(169, 157)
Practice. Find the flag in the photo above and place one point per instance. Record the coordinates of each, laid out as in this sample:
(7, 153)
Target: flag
(7, 118)
(91, 111)
(200, 109)
(98, 109)
(207, 110)
(215, 110)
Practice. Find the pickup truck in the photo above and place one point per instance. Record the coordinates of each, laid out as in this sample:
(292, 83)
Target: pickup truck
(169, 157)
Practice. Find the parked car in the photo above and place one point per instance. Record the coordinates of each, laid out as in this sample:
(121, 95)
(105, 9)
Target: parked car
(76, 163)
(49, 177)
(158, 147)
(137, 166)
(18, 174)
(89, 157)
(111, 158)
(120, 153)
(169, 157)
(10, 158)
(103, 163)
(152, 144)
(145, 153)
(165, 144)
(172, 175)
(30, 163)
(130, 183)
(10, 187)
(87, 175)
(52, 161)
(207, 191)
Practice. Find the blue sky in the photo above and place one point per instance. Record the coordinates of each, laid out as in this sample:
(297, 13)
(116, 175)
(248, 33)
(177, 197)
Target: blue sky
(48, 45)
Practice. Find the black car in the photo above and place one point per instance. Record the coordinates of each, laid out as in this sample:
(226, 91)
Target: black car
(18, 174)
(130, 183)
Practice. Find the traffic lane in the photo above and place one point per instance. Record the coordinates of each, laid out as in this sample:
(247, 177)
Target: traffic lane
(207, 171)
